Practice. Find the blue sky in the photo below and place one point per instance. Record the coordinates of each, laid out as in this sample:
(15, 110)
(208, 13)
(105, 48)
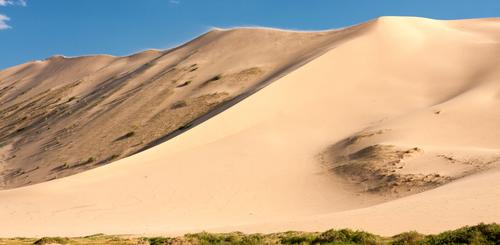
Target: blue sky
(36, 29)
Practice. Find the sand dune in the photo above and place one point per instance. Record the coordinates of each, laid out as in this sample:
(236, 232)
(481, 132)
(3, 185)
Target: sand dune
(65, 115)
(393, 129)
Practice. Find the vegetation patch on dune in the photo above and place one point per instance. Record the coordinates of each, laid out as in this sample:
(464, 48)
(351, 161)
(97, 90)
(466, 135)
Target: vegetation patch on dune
(479, 234)
(377, 169)
(395, 171)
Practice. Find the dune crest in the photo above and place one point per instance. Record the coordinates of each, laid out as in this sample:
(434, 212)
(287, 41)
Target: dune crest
(65, 115)
(395, 123)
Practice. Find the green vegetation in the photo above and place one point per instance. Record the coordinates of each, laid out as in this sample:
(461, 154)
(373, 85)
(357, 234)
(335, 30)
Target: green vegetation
(158, 240)
(411, 237)
(479, 234)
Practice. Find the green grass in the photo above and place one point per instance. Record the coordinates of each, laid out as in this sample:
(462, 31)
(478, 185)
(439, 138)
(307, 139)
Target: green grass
(479, 234)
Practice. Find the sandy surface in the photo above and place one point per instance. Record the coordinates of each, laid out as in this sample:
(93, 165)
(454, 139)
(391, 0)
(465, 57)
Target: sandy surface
(62, 115)
(289, 156)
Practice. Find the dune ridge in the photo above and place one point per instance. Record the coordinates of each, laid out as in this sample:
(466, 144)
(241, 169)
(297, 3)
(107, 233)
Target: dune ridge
(65, 115)
(393, 128)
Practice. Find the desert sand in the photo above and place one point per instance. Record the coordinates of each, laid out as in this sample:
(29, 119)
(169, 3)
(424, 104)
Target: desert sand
(62, 115)
(394, 127)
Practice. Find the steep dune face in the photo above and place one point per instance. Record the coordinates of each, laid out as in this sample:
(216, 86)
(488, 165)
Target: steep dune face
(63, 115)
(355, 138)
(451, 70)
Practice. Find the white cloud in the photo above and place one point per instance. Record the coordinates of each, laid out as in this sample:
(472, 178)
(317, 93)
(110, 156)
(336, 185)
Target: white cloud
(3, 22)
(5, 18)
(174, 1)
(13, 2)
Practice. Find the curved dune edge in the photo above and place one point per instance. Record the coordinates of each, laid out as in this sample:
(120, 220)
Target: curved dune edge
(254, 167)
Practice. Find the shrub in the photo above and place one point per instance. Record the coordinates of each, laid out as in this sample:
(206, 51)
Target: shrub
(21, 129)
(407, 238)
(214, 78)
(293, 237)
(95, 235)
(211, 238)
(237, 238)
(346, 236)
(129, 134)
(479, 234)
(49, 240)
(159, 240)
(89, 160)
(125, 136)
(178, 104)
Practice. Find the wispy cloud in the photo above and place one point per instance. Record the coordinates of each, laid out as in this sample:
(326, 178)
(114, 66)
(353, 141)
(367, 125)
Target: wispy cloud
(13, 2)
(5, 18)
(174, 1)
(3, 22)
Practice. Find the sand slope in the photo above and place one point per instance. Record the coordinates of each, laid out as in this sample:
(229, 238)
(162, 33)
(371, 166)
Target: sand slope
(64, 115)
(415, 99)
